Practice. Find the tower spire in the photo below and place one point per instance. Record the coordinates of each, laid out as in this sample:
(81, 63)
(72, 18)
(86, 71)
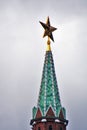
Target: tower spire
(49, 93)
(49, 112)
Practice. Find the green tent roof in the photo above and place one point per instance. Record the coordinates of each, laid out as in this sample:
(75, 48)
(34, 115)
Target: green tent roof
(49, 94)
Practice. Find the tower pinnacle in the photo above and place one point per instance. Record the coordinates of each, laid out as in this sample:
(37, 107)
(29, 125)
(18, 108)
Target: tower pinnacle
(48, 32)
(49, 113)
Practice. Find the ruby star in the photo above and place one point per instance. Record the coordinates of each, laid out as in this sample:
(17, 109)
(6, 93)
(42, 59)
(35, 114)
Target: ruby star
(48, 29)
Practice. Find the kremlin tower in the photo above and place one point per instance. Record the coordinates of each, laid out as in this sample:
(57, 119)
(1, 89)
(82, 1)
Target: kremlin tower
(49, 113)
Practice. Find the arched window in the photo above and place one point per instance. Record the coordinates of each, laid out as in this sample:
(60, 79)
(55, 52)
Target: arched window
(39, 128)
(50, 127)
(60, 128)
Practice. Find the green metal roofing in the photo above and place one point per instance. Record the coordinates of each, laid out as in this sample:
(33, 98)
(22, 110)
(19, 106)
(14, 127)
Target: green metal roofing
(49, 94)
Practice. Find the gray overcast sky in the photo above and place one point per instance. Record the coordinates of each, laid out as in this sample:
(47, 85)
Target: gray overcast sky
(22, 52)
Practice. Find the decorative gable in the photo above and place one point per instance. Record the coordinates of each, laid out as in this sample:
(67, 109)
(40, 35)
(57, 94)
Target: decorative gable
(61, 116)
(50, 112)
(38, 114)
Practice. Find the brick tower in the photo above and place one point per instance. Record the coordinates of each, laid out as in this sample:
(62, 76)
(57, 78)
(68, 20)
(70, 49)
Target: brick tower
(49, 113)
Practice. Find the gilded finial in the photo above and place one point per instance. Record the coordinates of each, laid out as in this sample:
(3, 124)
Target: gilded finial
(48, 32)
(48, 45)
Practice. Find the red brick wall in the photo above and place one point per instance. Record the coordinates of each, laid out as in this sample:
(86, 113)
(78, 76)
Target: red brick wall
(45, 126)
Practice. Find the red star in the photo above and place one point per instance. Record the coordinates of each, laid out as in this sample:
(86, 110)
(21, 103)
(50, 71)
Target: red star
(48, 29)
